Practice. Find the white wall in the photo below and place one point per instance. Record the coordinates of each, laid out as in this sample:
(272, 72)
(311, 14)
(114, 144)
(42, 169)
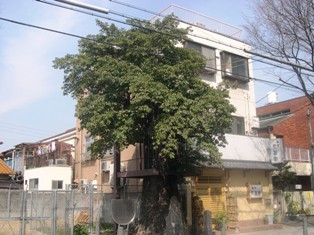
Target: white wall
(248, 148)
(47, 174)
(242, 97)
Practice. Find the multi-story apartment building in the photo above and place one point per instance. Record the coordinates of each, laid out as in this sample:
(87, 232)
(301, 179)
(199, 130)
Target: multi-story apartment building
(243, 188)
(46, 164)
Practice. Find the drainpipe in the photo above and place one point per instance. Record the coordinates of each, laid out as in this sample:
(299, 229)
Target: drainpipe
(308, 114)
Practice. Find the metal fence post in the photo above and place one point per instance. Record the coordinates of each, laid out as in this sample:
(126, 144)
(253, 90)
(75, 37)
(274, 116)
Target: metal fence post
(305, 225)
(22, 213)
(91, 209)
(54, 213)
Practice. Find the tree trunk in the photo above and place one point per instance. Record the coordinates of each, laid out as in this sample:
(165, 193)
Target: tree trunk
(157, 193)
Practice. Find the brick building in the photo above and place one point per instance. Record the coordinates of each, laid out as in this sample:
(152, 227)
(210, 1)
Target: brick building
(288, 122)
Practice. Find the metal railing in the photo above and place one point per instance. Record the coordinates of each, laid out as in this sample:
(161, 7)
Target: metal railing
(296, 154)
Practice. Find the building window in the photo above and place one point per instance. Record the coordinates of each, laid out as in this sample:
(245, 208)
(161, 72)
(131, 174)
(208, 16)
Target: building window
(88, 140)
(33, 183)
(237, 126)
(57, 184)
(234, 66)
(208, 53)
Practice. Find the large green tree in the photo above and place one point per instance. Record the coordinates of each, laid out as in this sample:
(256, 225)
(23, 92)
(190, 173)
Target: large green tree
(140, 85)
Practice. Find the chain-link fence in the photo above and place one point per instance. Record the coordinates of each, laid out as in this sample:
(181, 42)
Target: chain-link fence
(58, 212)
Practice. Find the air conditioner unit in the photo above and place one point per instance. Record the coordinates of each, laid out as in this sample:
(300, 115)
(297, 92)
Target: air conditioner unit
(61, 161)
(255, 122)
(84, 182)
(105, 166)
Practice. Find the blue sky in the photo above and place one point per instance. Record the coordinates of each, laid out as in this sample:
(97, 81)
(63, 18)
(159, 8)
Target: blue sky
(32, 104)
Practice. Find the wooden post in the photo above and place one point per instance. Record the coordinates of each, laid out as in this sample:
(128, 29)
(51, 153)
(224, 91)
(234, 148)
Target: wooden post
(116, 165)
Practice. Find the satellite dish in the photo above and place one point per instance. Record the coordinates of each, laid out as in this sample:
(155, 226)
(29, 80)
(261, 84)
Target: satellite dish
(123, 211)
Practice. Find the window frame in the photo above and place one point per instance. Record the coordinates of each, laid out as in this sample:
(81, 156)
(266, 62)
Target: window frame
(211, 64)
(58, 184)
(230, 71)
(33, 183)
(237, 129)
(86, 144)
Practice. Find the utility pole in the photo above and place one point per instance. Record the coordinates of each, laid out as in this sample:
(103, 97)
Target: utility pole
(308, 114)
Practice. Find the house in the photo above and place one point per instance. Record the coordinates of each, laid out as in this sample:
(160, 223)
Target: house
(46, 164)
(290, 122)
(243, 187)
(6, 173)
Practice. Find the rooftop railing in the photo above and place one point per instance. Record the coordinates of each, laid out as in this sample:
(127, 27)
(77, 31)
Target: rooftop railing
(200, 20)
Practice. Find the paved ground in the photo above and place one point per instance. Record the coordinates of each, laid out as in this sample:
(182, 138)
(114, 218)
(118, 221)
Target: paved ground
(286, 230)
(291, 228)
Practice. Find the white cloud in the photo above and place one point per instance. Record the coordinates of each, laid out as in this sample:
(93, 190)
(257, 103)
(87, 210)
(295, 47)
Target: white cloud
(26, 72)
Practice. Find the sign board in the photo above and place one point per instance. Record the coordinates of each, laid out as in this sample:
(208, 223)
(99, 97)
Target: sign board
(298, 186)
(255, 191)
(276, 151)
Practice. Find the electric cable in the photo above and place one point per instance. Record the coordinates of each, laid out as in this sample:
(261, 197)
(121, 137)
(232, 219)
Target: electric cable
(110, 44)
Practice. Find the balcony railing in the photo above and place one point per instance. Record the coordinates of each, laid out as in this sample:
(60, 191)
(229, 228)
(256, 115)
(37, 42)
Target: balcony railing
(296, 154)
(44, 160)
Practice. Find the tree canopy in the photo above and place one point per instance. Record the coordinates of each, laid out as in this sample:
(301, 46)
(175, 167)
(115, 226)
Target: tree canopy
(139, 84)
(283, 29)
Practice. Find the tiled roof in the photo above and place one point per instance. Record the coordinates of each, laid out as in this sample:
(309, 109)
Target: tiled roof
(5, 169)
(253, 165)
(273, 121)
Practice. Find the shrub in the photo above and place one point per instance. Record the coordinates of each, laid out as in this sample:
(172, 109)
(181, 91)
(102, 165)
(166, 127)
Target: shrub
(293, 208)
(220, 218)
(80, 229)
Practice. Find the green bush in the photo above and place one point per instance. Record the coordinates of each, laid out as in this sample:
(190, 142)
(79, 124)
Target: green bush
(221, 217)
(80, 229)
(293, 208)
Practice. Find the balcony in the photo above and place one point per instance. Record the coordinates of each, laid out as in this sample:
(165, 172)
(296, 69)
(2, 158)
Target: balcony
(44, 161)
(246, 148)
(43, 156)
(296, 154)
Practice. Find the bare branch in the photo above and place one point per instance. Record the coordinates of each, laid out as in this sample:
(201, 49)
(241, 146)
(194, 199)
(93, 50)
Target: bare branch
(283, 30)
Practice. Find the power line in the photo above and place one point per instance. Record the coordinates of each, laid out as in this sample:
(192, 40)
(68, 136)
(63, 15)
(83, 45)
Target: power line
(154, 13)
(25, 128)
(272, 59)
(273, 90)
(81, 37)
(279, 61)
(110, 44)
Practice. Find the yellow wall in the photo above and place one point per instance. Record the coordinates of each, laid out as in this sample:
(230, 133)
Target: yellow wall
(250, 209)
(234, 183)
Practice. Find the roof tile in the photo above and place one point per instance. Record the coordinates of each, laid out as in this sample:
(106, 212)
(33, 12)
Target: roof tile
(5, 169)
